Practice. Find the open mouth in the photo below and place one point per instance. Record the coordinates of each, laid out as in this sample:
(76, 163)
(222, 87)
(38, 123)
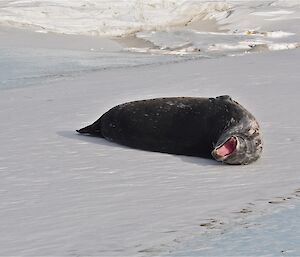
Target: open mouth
(227, 148)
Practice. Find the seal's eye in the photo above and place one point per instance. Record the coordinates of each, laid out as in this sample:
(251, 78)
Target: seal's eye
(226, 148)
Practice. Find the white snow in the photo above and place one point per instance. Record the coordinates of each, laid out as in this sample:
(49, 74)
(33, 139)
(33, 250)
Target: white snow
(272, 14)
(272, 235)
(112, 18)
(165, 25)
(65, 194)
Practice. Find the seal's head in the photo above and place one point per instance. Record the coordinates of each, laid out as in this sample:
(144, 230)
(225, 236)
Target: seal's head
(239, 145)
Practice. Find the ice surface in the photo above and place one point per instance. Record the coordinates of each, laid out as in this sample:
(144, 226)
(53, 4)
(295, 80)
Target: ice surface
(29, 58)
(271, 235)
(66, 194)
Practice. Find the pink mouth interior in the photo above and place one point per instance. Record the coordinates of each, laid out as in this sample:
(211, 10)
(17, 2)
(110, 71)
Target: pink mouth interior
(227, 148)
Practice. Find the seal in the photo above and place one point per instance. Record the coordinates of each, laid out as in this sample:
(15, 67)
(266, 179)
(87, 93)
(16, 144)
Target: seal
(218, 128)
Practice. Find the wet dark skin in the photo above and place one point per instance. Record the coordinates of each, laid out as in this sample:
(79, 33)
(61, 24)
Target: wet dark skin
(178, 125)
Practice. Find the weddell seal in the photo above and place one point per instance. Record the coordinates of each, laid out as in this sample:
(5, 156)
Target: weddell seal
(218, 128)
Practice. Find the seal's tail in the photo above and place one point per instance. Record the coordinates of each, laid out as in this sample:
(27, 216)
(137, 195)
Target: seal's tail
(91, 130)
(85, 130)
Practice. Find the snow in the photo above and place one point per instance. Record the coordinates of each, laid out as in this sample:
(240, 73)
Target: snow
(68, 194)
(111, 18)
(65, 194)
(271, 235)
(164, 25)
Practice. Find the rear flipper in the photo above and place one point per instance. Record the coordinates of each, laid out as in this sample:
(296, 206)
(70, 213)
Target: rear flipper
(91, 130)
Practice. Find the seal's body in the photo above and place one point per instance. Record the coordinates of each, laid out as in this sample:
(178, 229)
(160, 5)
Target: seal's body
(206, 127)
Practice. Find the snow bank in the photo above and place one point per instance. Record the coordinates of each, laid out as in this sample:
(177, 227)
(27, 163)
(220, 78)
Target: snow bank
(119, 18)
(108, 18)
(166, 27)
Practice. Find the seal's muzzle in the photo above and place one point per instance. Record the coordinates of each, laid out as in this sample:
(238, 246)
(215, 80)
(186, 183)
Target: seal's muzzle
(228, 147)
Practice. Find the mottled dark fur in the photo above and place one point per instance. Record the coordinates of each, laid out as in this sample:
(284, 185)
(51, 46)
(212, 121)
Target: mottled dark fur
(178, 125)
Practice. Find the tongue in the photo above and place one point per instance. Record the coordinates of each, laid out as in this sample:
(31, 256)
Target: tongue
(227, 148)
